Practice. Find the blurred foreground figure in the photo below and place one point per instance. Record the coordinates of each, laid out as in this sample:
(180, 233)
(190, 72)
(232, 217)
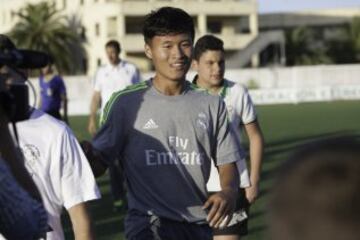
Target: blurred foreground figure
(317, 193)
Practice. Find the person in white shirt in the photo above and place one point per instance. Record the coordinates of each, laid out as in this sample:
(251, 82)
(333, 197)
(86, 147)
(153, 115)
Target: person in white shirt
(58, 167)
(110, 78)
(209, 62)
(61, 172)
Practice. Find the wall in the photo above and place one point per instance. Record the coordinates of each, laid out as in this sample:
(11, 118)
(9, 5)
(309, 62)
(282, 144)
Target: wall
(276, 85)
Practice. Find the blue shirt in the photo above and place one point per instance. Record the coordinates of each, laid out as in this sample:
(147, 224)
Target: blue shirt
(21, 217)
(51, 92)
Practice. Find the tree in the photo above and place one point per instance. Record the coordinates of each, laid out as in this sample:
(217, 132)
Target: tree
(305, 47)
(42, 27)
(355, 37)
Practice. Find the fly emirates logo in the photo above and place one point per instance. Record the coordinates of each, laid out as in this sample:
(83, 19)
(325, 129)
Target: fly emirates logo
(174, 157)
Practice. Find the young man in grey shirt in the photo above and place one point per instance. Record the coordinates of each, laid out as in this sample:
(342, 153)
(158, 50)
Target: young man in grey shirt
(166, 133)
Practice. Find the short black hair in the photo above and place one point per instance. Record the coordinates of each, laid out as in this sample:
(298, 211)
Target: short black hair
(167, 20)
(317, 191)
(113, 44)
(207, 42)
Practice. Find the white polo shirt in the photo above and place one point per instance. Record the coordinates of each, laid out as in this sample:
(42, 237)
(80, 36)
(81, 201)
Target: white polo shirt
(109, 79)
(240, 111)
(57, 165)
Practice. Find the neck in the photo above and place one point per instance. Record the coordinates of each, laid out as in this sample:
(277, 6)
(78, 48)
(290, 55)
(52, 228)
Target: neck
(168, 87)
(213, 89)
(116, 62)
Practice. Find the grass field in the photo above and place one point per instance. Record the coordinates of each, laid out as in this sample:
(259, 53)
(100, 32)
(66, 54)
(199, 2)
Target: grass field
(284, 126)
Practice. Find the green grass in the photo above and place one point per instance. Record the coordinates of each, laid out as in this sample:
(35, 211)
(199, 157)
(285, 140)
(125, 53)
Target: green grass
(284, 126)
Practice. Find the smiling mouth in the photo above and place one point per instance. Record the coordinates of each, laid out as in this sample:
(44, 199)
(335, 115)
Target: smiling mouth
(180, 65)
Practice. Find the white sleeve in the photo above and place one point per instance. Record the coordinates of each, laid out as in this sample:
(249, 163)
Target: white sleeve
(77, 180)
(248, 114)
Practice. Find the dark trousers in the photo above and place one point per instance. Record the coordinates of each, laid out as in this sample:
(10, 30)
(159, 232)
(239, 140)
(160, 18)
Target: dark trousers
(139, 226)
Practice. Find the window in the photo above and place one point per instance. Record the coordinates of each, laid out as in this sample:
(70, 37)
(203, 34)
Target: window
(133, 25)
(83, 33)
(214, 26)
(97, 29)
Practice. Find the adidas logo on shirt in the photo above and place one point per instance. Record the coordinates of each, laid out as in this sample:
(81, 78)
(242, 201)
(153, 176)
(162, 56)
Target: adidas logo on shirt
(150, 124)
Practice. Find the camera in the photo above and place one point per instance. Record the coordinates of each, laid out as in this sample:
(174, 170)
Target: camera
(14, 93)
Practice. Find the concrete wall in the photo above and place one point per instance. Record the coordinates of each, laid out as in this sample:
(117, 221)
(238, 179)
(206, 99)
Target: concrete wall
(277, 85)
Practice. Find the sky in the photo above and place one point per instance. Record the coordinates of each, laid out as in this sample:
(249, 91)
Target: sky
(266, 6)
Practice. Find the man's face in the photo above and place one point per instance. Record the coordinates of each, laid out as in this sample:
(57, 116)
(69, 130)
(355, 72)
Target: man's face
(171, 56)
(113, 55)
(210, 68)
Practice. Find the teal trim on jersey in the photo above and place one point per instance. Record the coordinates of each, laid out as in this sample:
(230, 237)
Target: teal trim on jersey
(224, 89)
(114, 96)
(195, 87)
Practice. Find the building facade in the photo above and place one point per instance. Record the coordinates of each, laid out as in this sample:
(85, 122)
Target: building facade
(234, 21)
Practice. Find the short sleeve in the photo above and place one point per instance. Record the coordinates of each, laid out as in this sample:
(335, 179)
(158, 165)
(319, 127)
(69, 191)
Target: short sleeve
(227, 145)
(77, 180)
(249, 113)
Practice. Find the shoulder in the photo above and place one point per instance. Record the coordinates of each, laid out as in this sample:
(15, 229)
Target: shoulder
(128, 65)
(102, 69)
(126, 96)
(235, 88)
(235, 85)
(48, 123)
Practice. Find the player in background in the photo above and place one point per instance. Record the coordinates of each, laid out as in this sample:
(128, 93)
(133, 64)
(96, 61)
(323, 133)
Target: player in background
(209, 62)
(110, 78)
(53, 96)
(166, 133)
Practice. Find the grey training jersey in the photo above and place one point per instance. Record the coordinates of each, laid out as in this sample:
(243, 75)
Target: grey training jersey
(165, 144)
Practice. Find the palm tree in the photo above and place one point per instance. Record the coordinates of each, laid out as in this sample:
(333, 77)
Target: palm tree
(42, 27)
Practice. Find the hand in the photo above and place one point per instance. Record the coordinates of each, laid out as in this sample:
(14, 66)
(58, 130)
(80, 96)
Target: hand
(94, 158)
(222, 206)
(92, 127)
(252, 193)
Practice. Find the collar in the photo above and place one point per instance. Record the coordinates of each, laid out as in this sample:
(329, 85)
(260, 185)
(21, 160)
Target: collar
(223, 91)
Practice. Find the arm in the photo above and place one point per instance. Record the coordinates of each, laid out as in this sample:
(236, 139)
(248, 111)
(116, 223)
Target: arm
(81, 222)
(94, 106)
(256, 141)
(95, 160)
(64, 101)
(223, 203)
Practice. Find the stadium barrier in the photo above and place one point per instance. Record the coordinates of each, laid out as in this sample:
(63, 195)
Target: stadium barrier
(273, 85)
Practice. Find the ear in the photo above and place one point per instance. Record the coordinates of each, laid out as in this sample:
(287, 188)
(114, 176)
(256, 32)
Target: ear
(148, 51)
(194, 65)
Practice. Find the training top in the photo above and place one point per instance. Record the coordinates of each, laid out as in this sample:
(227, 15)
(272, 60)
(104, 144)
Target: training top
(165, 144)
(109, 79)
(240, 111)
(57, 165)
